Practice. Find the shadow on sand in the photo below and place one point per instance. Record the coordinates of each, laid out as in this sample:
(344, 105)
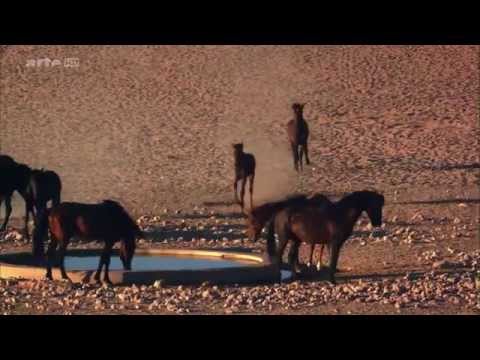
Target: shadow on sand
(450, 167)
(344, 277)
(222, 232)
(439, 201)
(224, 216)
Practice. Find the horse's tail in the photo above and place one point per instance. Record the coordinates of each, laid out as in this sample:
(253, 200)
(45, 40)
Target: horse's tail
(271, 245)
(40, 233)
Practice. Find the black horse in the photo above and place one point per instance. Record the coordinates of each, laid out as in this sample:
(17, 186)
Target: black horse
(13, 177)
(44, 186)
(37, 188)
(244, 169)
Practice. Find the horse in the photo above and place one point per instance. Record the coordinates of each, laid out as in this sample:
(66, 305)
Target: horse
(259, 216)
(44, 186)
(331, 225)
(298, 132)
(244, 169)
(107, 221)
(13, 177)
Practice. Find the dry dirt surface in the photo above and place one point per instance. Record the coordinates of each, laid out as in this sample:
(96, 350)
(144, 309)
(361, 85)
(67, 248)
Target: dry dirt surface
(152, 126)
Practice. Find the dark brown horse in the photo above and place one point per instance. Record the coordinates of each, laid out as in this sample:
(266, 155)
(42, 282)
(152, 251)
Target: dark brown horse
(44, 186)
(244, 169)
(107, 221)
(13, 177)
(331, 225)
(298, 132)
(259, 216)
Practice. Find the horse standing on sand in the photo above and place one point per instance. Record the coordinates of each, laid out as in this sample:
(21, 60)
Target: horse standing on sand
(331, 225)
(44, 186)
(244, 169)
(13, 177)
(259, 216)
(37, 188)
(107, 221)
(298, 132)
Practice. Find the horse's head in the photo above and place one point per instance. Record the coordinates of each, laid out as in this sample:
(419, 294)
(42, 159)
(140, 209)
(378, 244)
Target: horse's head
(238, 147)
(254, 227)
(374, 207)
(298, 108)
(127, 250)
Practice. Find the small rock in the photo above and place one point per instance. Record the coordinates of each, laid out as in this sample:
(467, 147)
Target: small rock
(443, 264)
(158, 284)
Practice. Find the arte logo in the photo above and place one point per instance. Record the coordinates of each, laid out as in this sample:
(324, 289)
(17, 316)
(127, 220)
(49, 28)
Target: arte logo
(51, 63)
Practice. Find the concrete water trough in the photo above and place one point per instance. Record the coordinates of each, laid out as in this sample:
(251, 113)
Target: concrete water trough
(172, 266)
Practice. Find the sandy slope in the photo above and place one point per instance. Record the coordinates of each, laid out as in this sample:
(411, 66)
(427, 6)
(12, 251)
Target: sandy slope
(153, 125)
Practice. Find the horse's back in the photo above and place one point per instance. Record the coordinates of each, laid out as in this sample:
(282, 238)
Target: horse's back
(6, 162)
(311, 225)
(250, 163)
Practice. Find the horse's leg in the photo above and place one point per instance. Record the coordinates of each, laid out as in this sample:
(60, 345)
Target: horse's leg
(28, 210)
(61, 254)
(282, 244)
(300, 157)
(242, 192)
(334, 254)
(8, 211)
(235, 191)
(312, 249)
(307, 159)
(100, 264)
(52, 246)
(293, 256)
(251, 180)
(1, 201)
(108, 255)
(319, 264)
(295, 156)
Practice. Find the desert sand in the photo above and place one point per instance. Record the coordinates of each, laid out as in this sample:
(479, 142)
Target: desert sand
(152, 126)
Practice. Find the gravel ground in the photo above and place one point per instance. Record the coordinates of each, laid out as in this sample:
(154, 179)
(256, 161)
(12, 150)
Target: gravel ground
(426, 264)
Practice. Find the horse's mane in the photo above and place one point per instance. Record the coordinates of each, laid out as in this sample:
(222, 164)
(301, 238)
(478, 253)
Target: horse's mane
(268, 209)
(360, 197)
(123, 214)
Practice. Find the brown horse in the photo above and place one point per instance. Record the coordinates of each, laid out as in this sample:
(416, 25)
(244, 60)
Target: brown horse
(107, 221)
(244, 169)
(13, 177)
(331, 225)
(298, 132)
(259, 216)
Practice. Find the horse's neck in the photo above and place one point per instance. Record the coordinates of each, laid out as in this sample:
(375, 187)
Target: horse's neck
(21, 181)
(348, 216)
(299, 121)
(238, 158)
